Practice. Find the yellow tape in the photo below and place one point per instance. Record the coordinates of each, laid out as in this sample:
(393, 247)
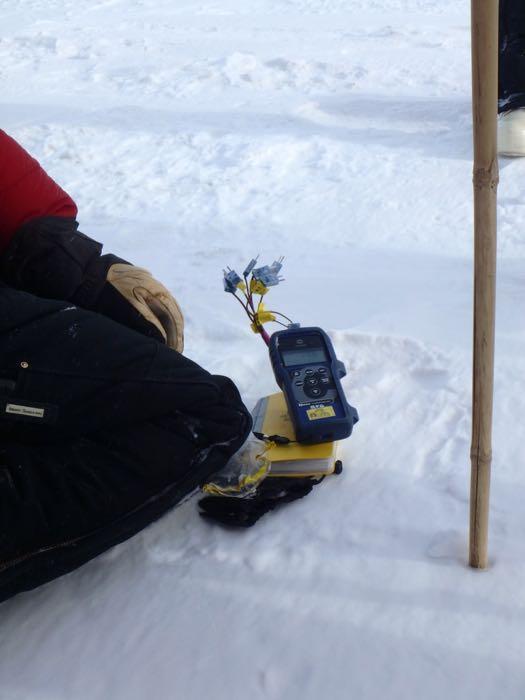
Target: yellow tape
(246, 481)
(257, 286)
(261, 316)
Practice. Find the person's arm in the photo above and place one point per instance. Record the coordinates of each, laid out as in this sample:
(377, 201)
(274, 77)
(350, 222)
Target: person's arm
(42, 252)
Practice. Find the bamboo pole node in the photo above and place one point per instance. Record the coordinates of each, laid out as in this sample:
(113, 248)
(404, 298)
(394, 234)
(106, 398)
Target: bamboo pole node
(483, 177)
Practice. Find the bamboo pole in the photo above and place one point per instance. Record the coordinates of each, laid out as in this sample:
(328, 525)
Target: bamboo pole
(485, 181)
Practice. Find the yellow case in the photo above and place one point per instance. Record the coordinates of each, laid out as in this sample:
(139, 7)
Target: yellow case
(270, 417)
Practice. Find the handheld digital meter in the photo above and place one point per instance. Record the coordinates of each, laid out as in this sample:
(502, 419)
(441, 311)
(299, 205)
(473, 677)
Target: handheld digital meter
(303, 359)
(309, 375)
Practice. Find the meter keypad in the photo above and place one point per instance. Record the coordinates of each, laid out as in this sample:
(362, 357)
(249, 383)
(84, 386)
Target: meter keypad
(313, 383)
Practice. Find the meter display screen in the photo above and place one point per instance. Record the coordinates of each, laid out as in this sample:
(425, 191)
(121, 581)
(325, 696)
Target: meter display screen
(303, 356)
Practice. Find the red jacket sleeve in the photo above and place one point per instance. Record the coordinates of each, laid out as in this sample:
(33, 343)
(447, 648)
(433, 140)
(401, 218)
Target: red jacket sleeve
(26, 191)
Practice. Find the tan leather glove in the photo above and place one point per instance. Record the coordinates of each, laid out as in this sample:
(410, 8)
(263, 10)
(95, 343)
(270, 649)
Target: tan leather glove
(151, 299)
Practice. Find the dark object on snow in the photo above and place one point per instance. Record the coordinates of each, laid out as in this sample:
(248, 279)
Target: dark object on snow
(102, 430)
(245, 512)
(511, 55)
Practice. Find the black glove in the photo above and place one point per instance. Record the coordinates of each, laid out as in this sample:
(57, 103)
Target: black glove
(245, 512)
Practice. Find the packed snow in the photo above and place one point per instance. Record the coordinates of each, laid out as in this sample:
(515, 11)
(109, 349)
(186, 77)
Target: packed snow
(193, 135)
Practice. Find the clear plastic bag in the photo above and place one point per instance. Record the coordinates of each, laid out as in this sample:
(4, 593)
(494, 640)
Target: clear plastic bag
(243, 473)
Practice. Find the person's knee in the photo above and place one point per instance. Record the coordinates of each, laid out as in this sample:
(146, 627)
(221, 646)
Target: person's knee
(226, 422)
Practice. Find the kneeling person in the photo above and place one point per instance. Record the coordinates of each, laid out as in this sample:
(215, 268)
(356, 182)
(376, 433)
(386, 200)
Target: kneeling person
(104, 424)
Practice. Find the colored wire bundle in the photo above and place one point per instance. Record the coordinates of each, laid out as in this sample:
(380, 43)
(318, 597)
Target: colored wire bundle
(256, 282)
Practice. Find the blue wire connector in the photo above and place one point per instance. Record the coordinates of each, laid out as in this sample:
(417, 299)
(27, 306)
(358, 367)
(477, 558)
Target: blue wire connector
(231, 281)
(250, 266)
(268, 274)
(276, 266)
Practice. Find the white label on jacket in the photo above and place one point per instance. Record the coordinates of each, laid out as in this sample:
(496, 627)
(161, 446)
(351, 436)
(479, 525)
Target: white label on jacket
(25, 410)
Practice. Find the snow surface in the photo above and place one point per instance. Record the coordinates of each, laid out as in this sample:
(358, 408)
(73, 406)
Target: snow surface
(193, 134)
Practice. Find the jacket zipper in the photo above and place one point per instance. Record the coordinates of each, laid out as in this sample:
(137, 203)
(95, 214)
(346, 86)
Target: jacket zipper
(4, 565)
